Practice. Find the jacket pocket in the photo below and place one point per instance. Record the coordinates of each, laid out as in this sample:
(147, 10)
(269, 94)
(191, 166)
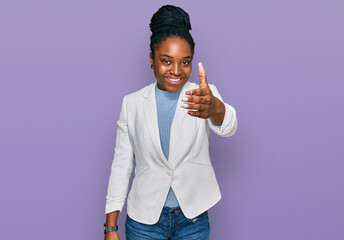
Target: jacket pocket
(202, 164)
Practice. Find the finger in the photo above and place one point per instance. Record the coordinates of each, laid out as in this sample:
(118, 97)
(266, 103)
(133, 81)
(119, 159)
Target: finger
(194, 106)
(199, 114)
(202, 77)
(197, 99)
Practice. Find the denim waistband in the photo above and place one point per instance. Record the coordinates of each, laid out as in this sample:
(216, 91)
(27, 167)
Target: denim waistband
(171, 210)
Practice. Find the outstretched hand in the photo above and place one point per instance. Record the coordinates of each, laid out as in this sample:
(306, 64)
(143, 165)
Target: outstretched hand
(202, 102)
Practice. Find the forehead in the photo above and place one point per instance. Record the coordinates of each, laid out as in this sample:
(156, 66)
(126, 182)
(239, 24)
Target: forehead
(174, 47)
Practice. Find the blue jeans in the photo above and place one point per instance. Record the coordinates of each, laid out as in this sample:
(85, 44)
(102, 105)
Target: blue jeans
(172, 224)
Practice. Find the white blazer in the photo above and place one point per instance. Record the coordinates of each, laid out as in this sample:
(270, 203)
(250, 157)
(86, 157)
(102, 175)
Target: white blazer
(188, 171)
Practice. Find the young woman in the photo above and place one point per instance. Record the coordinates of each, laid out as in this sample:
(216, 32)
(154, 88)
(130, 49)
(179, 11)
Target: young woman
(165, 127)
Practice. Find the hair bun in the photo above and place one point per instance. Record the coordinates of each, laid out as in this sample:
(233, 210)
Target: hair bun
(167, 16)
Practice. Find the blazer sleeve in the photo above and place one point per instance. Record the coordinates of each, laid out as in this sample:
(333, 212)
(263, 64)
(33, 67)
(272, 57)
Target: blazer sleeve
(230, 122)
(122, 165)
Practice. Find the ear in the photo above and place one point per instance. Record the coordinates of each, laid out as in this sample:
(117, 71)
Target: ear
(151, 59)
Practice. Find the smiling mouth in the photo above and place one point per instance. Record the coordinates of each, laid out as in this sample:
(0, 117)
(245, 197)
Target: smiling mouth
(174, 80)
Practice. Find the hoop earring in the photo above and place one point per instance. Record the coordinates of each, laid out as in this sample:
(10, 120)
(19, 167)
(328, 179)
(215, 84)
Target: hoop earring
(152, 65)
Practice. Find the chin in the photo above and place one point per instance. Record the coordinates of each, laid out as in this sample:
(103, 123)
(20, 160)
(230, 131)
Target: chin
(174, 88)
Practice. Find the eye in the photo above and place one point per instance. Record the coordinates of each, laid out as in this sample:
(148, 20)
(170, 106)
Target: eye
(166, 61)
(186, 62)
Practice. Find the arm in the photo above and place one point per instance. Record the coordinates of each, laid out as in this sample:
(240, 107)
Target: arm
(121, 169)
(229, 123)
(209, 105)
(111, 220)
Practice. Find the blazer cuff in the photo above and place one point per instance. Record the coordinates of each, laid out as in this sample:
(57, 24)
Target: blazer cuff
(112, 206)
(229, 124)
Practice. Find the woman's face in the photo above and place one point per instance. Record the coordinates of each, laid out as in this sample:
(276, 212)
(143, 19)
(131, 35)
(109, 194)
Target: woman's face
(172, 63)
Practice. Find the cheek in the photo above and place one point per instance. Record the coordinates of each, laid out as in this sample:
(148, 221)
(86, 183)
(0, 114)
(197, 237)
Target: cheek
(162, 70)
(187, 71)
(159, 72)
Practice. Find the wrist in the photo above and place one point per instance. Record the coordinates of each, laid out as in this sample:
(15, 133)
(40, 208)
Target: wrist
(219, 113)
(107, 229)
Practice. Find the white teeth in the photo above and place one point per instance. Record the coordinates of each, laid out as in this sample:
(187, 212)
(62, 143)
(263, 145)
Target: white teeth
(174, 80)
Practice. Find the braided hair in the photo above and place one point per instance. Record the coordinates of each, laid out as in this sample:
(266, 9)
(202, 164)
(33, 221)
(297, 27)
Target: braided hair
(170, 21)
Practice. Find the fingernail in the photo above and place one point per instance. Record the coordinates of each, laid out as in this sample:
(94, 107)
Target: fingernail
(185, 99)
(199, 64)
(185, 105)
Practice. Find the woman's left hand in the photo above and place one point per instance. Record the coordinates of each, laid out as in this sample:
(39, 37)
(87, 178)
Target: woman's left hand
(203, 101)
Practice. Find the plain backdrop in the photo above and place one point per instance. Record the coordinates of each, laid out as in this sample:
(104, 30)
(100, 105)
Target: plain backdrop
(66, 65)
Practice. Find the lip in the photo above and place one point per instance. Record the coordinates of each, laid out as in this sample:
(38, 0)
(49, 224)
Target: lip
(174, 82)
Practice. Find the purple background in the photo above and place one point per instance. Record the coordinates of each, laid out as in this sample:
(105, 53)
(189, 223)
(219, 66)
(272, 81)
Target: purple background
(66, 65)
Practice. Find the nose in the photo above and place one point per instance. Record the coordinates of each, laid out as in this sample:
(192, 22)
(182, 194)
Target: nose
(176, 69)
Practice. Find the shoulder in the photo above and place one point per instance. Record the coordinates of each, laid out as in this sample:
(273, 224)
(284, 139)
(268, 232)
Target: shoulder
(192, 85)
(137, 95)
(212, 87)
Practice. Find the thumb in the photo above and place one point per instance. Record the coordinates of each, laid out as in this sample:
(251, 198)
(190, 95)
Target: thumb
(202, 77)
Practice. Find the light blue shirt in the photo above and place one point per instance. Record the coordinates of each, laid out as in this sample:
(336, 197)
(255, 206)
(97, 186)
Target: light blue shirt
(166, 103)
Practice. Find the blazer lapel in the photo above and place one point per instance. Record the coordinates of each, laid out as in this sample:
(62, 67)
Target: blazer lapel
(151, 117)
(178, 118)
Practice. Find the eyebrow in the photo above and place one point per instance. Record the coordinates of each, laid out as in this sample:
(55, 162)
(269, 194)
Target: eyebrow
(165, 55)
